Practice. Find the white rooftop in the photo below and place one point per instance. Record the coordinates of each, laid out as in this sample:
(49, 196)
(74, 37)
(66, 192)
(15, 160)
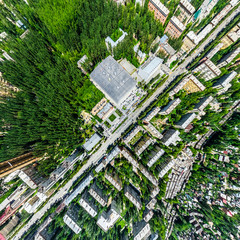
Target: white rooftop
(177, 23)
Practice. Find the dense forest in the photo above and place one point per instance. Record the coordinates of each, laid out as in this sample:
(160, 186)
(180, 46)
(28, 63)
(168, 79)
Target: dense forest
(44, 115)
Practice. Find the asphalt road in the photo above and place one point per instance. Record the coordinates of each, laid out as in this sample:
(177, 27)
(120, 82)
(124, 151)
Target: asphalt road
(131, 118)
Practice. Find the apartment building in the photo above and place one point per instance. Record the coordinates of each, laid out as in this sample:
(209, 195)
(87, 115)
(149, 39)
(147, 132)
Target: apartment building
(185, 120)
(88, 204)
(208, 70)
(129, 157)
(97, 194)
(228, 58)
(71, 217)
(174, 28)
(114, 179)
(189, 42)
(213, 51)
(165, 167)
(170, 107)
(147, 214)
(160, 11)
(133, 195)
(190, 84)
(205, 9)
(154, 132)
(151, 203)
(171, 137)
(141, 230)
(151, 114)
(107, 219)
(231, 37)
(132, 133)
(155, 156)
(142, 145)
(81, 186)
(184, 11)
(224, 82)
(148, 175)
(200, 106)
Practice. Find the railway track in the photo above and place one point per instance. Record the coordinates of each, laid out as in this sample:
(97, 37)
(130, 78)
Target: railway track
(16, 163)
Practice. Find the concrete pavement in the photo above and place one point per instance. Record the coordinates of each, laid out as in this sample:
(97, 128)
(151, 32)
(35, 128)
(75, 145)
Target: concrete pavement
(131, 118)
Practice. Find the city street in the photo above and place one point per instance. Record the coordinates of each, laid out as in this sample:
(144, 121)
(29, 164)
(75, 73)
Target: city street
(131, 119)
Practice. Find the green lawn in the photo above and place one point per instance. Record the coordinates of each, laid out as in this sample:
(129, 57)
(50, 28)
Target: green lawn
(107, 124)
(116, 35)
(136, 138)
(118, 112)
(112, 117)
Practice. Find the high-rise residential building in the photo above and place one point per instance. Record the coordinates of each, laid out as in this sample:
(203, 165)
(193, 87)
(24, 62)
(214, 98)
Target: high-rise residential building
(98, 194)
(174, 28)
(185, 120)
(205, 9)
(228, 58)
(114, 179)
(170, 107)
(71, 217)
(141, 230)
(107, 219)
(88, 205)
(231, 37)
(171, 137)
(160, 11)
(200, 106)
(133, 195)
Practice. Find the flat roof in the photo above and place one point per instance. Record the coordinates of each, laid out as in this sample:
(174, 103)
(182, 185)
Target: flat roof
(92, 142)
(113, 80)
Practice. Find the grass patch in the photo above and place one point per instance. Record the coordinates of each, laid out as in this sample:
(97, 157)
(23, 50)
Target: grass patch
(107, 124)
(116, 35)
(112, 117)
(173, 64)
(136, 138)
(118, 112)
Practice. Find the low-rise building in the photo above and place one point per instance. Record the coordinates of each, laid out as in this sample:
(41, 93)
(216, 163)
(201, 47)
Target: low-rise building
(185, 120)
(114, 179)
(30, 177)
(171, 137)
(140, 55)
(165, 47)
(92, 142)
(170, 107)
(99, 106)
(150, 69)
(200, 106)
(228, 58)
(81, 63)
(221, 15)
(174, 28)
(97, 193)
(184, 11)
(208, 70)
(88, 205)
(141, 230)
(105, 112)
(107, 219)
(160, 11)
(9, 227)
(205, 9)
(71, 218)
(111, 43)
(155, 156)
(32, 205)
(133, 195)
(190, 84)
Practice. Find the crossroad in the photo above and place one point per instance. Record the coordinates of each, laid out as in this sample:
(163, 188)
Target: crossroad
(131, 119)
